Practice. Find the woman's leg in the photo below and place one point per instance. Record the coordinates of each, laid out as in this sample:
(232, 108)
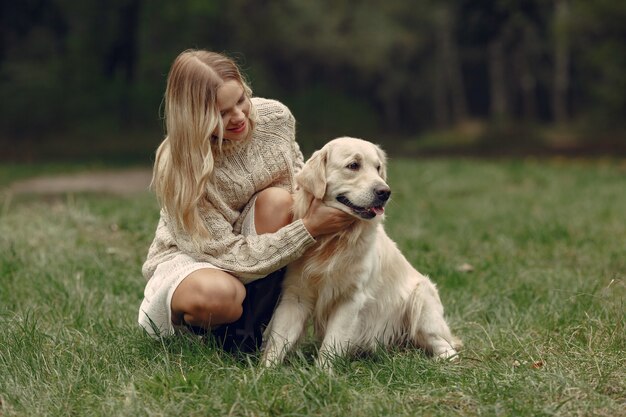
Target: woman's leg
(210, 297)
(207, 298)
(273, 209)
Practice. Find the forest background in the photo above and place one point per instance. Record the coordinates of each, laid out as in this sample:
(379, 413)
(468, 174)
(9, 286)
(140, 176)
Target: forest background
(82, 79)
(528, 253)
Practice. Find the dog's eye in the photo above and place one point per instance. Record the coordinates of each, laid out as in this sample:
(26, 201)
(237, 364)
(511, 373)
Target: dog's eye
(353, 166)
(378, 168)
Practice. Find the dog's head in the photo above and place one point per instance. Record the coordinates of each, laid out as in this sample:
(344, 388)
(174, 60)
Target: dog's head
(349, 174)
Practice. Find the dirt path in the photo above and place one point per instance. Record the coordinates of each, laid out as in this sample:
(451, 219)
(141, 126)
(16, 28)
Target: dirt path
(122, 182)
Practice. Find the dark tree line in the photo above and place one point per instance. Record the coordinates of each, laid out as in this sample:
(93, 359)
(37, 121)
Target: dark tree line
(393, 67)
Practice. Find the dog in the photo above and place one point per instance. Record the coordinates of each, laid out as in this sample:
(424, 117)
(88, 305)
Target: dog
(356, 285)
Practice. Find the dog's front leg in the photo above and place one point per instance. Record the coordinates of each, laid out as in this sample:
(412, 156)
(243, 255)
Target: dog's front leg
(340, 334)
(285, 328)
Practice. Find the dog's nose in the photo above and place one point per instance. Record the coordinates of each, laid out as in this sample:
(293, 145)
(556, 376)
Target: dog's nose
(383, 193)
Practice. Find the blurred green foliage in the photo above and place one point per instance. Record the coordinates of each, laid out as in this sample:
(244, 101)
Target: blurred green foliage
(376, 68)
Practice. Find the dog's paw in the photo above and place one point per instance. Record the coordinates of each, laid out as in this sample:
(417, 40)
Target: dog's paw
(325, 364)
(269, 361)
(457, 343)
(449, 354)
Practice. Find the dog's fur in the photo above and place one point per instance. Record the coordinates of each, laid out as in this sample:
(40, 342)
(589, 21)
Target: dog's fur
(356, 285)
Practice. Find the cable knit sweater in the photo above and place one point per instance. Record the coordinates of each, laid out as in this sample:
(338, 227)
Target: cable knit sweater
(270, 158)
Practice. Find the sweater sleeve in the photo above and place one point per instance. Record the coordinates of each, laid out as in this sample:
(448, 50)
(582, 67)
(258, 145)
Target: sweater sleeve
(246, 257)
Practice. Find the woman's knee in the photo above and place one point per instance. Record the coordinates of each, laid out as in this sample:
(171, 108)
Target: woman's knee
(209, 297)
(223, 298)
(273, 209)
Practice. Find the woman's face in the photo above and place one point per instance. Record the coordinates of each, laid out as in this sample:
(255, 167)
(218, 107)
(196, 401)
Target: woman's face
(234, 108)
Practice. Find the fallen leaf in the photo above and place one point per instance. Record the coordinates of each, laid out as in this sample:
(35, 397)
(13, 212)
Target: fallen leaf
(465, 268)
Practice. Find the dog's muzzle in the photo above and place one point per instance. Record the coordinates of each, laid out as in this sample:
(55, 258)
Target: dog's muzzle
(377, 207)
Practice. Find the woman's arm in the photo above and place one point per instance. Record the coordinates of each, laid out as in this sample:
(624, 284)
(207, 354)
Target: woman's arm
(247, 257)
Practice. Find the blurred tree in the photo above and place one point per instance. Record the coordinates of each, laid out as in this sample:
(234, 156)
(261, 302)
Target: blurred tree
(449, 81)
(526, 58)
(561, 60)
(360, 67)
(122, 54)
(33, 41)
(598, 44)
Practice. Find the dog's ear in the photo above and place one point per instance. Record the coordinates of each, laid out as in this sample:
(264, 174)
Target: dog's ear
(312, 178)
(382, 156)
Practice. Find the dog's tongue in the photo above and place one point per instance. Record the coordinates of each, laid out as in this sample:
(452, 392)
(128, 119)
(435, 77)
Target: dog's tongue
(378, 210)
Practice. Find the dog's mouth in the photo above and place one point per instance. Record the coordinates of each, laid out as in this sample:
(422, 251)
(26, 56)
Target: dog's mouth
(363, 212)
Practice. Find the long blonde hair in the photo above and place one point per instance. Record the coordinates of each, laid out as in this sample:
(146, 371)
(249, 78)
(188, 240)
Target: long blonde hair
(184, 161)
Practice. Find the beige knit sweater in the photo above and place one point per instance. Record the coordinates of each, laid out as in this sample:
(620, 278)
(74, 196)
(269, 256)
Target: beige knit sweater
(270, 158)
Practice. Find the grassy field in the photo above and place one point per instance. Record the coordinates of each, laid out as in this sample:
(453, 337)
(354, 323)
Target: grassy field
(529, 256)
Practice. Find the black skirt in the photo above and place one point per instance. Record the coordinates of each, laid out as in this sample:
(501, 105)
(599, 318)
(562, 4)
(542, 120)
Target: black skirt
(246, 334)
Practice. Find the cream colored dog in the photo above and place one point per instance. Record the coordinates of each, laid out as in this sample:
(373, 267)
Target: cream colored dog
(356, 285)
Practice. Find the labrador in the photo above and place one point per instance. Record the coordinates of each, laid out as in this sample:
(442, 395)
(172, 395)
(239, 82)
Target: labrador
(356, 286)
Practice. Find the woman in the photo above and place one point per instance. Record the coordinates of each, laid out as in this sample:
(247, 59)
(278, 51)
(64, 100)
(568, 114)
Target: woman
(223, 177)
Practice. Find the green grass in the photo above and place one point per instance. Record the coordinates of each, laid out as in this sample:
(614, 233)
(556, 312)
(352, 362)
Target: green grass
(542, 313)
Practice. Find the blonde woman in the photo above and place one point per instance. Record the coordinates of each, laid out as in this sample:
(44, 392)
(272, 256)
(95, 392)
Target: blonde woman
(223, 177)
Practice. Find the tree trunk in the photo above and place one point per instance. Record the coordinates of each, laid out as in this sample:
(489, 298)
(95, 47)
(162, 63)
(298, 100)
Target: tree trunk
(454, 74)
(527, 80)
(561, 61)
(123, 56)
(440, 101)
(449, 85)
(497, 81)
(391, 112)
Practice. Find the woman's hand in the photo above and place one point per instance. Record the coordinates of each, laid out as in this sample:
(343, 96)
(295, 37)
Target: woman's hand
(322, 219)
